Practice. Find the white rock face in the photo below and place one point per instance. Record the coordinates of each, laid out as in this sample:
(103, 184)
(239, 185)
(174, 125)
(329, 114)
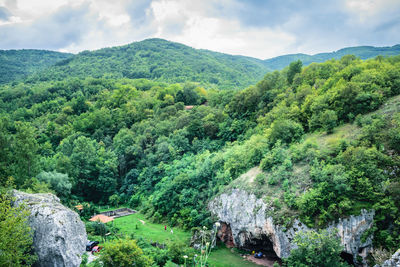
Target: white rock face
(246, 216)
(59, 236)
(394, 261)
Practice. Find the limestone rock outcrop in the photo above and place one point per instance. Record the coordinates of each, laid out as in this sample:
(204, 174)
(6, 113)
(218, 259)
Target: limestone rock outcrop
(394, 261)
(245, 214)
(59, 236)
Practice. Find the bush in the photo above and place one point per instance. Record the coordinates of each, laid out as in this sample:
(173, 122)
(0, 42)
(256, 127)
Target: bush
(59, 182)
(329, 120)
(260, 179)
(15, 234)
(114, 200)
(287, 131)
(124, 252)
(316, 249)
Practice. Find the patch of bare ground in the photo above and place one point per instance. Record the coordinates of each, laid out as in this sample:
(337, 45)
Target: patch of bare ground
(262, 262)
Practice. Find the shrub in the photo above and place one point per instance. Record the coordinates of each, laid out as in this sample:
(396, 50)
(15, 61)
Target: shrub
(287, 131)
(124, 252)
(316, 249)
(59, 182)
(260, 179)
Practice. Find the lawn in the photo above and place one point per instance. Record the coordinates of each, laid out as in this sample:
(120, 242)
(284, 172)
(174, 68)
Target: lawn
(224, 257)
(131, 224)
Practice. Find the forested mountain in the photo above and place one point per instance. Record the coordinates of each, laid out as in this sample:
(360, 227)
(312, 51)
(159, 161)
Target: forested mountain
(363, 52)
(160, 60)
(325, 137)
(18, 64)
(96, 139)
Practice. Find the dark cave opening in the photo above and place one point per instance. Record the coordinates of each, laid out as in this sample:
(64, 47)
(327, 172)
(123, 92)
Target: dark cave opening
(347, 257)
(259, 243)
(262, 244)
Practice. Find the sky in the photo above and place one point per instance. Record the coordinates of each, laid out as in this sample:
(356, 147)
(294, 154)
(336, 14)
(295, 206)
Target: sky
(256, 28)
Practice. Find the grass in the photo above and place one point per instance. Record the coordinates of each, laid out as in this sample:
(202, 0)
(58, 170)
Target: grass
(131, 224)
(225, 257)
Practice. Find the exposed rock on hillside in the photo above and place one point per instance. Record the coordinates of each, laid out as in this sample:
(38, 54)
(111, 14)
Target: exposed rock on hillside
(245, 214)
(59, 236)
(394, 261)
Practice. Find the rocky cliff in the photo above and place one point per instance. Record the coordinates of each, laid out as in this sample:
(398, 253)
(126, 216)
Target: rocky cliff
(250, 227)
(394, 261)
(59, 236)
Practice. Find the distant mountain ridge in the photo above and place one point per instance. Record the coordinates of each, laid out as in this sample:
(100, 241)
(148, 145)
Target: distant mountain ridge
(160, 60)
(363, 52)
(18, 64)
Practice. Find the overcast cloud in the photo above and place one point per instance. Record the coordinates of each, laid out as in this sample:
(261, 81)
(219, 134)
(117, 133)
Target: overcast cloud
(257, 28)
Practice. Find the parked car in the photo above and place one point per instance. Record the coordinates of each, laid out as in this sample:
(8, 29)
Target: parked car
(91, 244)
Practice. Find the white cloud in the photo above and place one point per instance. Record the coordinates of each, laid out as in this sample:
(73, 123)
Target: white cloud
(367, 11)
(199, 30)
(252, 27)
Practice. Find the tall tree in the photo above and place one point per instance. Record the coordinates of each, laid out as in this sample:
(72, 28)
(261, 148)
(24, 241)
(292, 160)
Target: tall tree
(24, 152)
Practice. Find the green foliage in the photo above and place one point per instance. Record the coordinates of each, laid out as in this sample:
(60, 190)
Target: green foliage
(316, 249)
(15, 234)
(260, 179)
(59, 182)
(160, 60)
(88, 210)
(33, 185)
(287, 131)
(116, 140)
(329, 120)
(294, 68)
(124, 252)
(17, 64)
(114, 200)
(25, 152)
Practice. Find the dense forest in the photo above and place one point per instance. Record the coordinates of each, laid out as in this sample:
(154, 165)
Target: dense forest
(159, 60)
(19, 64)
(327, 136)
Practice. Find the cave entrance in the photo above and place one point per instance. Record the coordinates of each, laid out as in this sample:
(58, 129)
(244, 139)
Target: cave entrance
(262, 244)
(347, 257)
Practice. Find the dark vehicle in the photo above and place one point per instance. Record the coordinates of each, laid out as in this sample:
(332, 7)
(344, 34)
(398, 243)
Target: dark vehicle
(91, 244)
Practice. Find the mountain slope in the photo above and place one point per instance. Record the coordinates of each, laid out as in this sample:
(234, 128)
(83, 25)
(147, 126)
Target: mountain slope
(160, 60)
(363, 52)
(17, 64)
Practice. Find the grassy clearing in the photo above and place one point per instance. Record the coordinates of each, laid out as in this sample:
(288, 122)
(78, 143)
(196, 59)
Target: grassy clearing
(131, 224)
(225, 257)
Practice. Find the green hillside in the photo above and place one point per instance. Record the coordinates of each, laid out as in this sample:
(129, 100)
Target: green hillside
(319, 142)
(160, 60)
(363, 52)
(18, 64)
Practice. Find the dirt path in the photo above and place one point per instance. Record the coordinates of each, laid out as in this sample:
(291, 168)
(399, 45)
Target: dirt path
(262, 261)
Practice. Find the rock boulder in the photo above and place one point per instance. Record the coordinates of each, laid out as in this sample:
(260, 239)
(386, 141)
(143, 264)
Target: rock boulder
(59, 236)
